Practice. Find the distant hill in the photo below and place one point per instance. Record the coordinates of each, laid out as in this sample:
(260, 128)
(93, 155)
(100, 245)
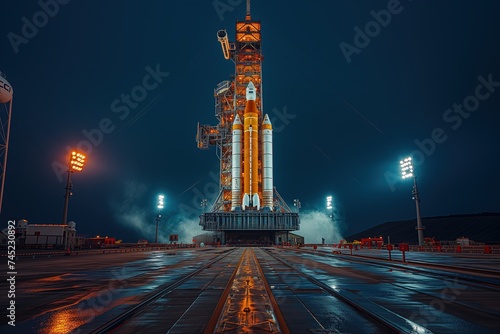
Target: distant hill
(482, 227)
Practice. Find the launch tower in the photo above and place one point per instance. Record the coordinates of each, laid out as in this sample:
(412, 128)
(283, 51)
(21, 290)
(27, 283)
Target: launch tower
(248, 207)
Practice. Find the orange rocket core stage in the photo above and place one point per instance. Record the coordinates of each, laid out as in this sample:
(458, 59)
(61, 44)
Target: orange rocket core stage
(251, 148)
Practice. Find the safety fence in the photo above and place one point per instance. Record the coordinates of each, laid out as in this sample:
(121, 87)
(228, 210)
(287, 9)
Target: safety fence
(472, 249)
(127, 249)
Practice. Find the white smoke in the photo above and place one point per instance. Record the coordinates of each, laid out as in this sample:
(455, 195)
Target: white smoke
(131, 213)
(315, 225)
(185, 227)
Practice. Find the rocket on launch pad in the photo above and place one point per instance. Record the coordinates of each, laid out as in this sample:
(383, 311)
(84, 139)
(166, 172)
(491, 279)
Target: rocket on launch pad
(249, 147)
(248, 207)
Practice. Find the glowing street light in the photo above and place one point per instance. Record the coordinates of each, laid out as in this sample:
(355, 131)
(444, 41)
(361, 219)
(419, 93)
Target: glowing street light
(161, 202)
(406, 168)
(329, 205)
(161, 205)
(75, 164)
(296, 203)
(76, 161)
(203, 204)
(407, 172)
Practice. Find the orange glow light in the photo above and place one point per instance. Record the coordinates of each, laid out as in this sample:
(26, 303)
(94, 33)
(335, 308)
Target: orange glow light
(77, 161)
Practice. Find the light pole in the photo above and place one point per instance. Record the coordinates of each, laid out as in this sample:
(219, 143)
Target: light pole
(75, 164)
(407, 172)
(296, 203)
(329, 206)
(160, 206)
(203, 204)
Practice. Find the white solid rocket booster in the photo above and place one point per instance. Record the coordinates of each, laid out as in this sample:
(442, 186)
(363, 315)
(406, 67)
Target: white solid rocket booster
(267, 163)
(236, 164)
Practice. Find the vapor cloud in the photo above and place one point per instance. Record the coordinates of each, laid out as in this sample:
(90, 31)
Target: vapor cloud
(131, 212)
(315, 225)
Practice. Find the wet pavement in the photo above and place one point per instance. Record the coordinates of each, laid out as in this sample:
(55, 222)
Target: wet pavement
(442, 305)
(79, 293)
(490, 262)
(306, 307)
(58, 295)
(248, 307)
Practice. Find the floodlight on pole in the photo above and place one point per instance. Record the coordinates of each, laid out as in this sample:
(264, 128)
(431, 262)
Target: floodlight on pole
(406, 168)
(329, 206)
(160, 206)
(407, 171)
(296, 203)
(75, 164)
(203, 204)
(161, 202)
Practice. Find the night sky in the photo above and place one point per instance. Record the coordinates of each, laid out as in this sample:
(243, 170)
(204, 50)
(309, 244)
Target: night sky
(346, 107)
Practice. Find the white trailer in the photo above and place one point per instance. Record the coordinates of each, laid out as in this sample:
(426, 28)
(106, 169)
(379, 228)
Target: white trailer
(49, 235)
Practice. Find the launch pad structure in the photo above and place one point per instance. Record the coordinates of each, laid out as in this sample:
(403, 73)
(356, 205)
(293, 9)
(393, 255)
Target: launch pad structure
(248, 208)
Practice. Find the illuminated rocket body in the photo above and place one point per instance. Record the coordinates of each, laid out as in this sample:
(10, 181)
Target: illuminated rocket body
(251, 150)
(257, 186)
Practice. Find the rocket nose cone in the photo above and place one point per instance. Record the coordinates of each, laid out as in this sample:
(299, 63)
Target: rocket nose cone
(251, 94)
(266, 120)
(237, 120)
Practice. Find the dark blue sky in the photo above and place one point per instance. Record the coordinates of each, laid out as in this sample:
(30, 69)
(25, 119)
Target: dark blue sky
(348, 123)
